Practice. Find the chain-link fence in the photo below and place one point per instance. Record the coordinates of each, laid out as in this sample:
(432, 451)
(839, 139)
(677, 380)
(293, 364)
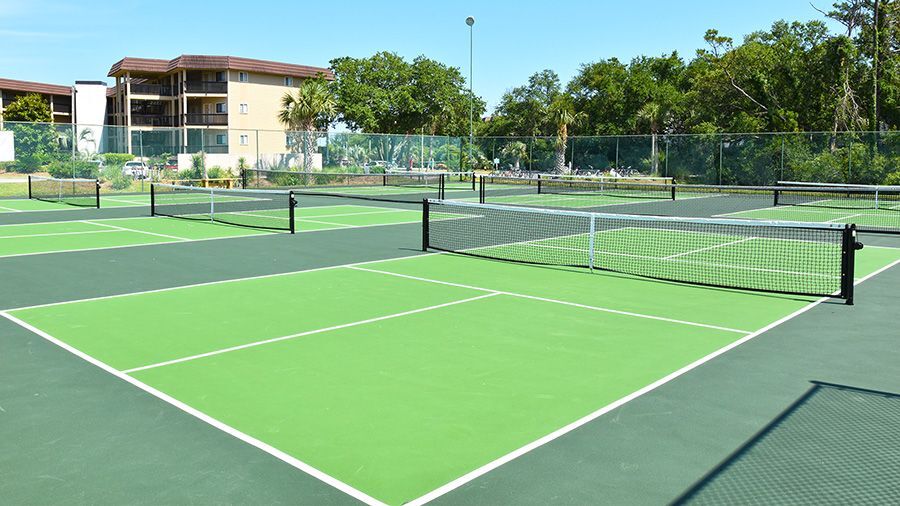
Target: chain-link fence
(730, 159)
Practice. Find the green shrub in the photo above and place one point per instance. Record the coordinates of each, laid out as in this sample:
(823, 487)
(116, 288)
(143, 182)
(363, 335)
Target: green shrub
(116, 159)
(217, 172)
(68, 169)
(113, 175)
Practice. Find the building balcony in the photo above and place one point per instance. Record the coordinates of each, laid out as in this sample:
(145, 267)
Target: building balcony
(156, 120)
(206, 119)
(205, 87)
(152, 89)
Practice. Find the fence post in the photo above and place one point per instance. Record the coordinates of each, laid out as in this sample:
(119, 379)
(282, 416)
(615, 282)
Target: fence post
(850, 162)
(74, 140)
(531, 155)
(257, 148)
(617, 154)
(781, 176)
(666, 164)
(721, 150)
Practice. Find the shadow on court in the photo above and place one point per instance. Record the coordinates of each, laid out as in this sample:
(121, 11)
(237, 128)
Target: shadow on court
(835, 445)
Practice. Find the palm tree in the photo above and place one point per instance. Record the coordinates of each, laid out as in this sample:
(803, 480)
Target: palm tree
(562, 114)
(311, 107)
(517, 151)
(654, 115)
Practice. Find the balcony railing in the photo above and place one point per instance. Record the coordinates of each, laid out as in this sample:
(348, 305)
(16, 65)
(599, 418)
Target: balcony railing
(206, 119)
(152, 120)
(152, 89)
(206, 148)
(206, 87)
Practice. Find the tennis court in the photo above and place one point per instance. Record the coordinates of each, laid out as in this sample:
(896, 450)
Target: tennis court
(81, 235)
(369, 385)
(831, 211)
(415, 375)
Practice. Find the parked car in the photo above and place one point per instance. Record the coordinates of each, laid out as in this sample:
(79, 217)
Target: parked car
(136, 170)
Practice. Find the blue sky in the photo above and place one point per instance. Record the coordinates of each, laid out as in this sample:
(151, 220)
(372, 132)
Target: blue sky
(58, 42)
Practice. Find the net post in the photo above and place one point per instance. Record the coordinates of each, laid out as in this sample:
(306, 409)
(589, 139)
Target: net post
(481, 192)
(441, 186)
(425, 212)
(292, 203)
(775, 197)
(152, 199)
(98, 193)
(848, 261)
(473, 181)
(673, 181)
(29, 187)
(244, 178)
(539, 183)
(591, 245)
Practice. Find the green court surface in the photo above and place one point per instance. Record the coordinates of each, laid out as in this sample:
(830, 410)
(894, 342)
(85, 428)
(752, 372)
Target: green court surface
(50, 237)
(864, 216)
(572, 200)
(392, 379)
(25, 205)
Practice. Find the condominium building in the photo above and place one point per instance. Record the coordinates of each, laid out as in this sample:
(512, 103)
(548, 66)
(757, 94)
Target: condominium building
(58, 97)
(216, 104)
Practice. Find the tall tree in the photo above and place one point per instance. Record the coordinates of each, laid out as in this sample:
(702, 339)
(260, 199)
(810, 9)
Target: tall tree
(30, 107)
(304, 111)
(384, 93)
(562, 115)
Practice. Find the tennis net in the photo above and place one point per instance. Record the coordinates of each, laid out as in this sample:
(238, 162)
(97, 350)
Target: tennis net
(76, 192)
(263, 209)
(783, 257)
(409, 187)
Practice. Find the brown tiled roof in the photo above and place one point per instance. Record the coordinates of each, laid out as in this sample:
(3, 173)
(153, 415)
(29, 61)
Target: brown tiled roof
(31, 87)
(202, 62)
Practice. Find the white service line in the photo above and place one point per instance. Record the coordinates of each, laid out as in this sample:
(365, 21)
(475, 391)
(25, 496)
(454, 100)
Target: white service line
(344, 225)
(124, 229)
(554, 301)
(11, 209)
(23, 236)
(676, 255)
(132, 202)
(307, 333)
(271, 450)
(490, 466)
(389, 211)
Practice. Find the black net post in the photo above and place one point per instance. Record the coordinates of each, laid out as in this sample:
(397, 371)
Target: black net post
(441, 186)
(244, 181)
(849, 245)
(775, 198)
(292, 204)
(481, 183)
(152, 199)
(98, 194)
(539, 183)
(673, 181)
(425, 225)
(29, 187)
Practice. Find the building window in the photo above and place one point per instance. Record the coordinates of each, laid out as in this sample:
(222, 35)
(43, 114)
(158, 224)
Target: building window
(221, 139)
(244, 108)
(288, 81)
(220, 77)
(220, 108)
(245, 139)
(243, 77)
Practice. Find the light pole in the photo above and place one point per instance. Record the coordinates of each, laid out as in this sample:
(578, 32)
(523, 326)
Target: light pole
(471, 21)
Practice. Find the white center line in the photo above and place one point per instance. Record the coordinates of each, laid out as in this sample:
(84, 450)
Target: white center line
(307, 333)
(124, 229)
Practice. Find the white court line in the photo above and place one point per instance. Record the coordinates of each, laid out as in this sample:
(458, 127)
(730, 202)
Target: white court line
(219, 282)
(676, 255)
(307, 220)
(284, 457)
(389, 211)
(123, 229)
(490, 466)
(11, 209)
(77, 250)
(58, 234)
(307, 333)
(554, 301)
(132, 202)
